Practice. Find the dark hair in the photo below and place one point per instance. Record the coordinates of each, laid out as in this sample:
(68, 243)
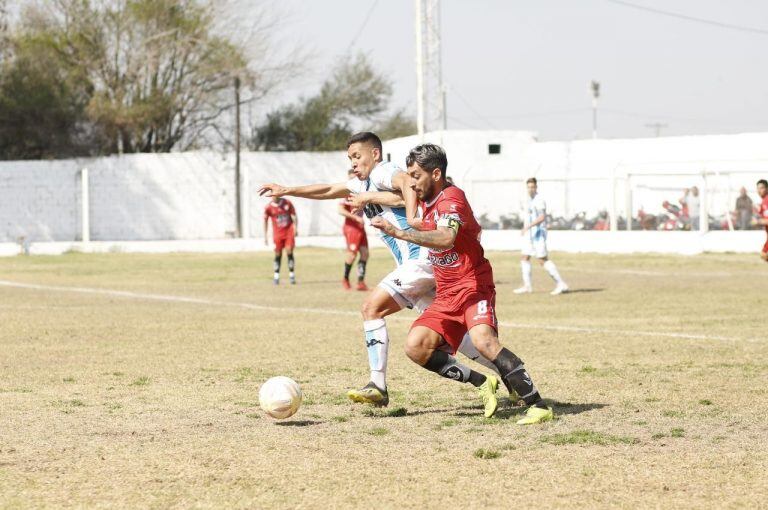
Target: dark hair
(532, 180)
(428, 156)
(763, 182)
(366, 137)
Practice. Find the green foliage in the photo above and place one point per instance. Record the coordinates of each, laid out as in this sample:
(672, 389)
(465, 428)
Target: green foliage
(483, 453)
(42, 102)
(103, 77)
(141, 381)
(354, 94)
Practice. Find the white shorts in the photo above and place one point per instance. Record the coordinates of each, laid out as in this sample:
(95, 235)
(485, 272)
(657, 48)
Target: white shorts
(412, 285)
(534, 247)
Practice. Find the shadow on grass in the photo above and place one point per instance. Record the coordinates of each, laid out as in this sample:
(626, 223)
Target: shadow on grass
(399, 412)
(583, 291)
(573, 408)
(297, 423)
(507, 409)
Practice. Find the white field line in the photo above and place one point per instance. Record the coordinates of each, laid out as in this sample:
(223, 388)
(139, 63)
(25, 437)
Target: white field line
(348, 313)
(643, 272)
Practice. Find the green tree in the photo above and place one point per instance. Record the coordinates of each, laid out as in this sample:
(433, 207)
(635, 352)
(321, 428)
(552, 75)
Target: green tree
(355, 94)
(120, 76)
(42, 103)
(162, 76)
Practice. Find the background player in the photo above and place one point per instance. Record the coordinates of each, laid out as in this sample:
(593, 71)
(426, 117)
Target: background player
(762, 211)
(466, 294)
(284, 231)
(357, 241)
(534, 235)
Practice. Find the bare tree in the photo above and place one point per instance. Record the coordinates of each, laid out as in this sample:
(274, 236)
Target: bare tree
(161, 71)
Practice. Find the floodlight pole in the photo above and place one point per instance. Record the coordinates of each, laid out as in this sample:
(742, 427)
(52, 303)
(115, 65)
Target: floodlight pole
(595, 94)
(238, 211)
(419, 71)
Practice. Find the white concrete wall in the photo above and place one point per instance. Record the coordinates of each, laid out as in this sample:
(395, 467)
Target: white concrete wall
(39, 200)
(158, 196)
(495, 182)
(187, 196)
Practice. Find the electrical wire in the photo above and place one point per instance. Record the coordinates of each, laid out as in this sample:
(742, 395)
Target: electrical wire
(472, 109)
(690, 18)
(362, 27)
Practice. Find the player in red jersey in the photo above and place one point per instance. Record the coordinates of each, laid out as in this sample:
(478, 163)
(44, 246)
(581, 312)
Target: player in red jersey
(357, 241)
(284, 225)
(466, 296)
(762, 191)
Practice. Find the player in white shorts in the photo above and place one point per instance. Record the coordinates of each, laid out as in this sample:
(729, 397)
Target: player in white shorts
(534, 243)
(412, 283)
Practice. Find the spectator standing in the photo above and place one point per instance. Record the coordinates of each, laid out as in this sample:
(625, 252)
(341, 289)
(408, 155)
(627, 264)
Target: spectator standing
(691, 204)
(744, 207)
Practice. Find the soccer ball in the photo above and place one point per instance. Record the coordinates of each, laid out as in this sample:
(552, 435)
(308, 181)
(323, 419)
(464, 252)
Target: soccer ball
(280, 397)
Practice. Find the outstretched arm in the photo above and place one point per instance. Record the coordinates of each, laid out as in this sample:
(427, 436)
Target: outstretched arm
(442, 238)
(311, 191)
(388, 198)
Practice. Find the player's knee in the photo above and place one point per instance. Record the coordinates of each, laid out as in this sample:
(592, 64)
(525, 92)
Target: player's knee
(416, 350)
(487, 343)
(764, 256)
(371, 310)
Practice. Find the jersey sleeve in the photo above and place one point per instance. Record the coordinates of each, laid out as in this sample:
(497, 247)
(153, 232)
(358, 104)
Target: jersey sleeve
(381, 176)
(354, 185)
(541, 206)
(291, 209)
(452, 211)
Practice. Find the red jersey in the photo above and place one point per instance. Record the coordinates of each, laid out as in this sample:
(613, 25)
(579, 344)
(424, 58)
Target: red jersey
(352, 224)
(280, 213)
(763, 211)
(462, 268)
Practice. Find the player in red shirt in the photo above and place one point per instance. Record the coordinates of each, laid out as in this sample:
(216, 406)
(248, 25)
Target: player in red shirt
(357, 242)
(762, 191)
(466, 295)
(284, 225)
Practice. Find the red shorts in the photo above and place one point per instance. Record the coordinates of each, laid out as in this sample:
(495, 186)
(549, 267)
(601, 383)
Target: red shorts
(452, 321)
(765, 247)
(356, 239)
(286, 240)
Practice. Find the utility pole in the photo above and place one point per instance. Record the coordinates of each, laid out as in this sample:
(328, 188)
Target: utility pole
(238, 211)
(657, 127)
(419, 70)
(595, 94)
(431, 111)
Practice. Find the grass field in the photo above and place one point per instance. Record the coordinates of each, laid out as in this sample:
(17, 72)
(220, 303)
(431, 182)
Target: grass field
(657, 367)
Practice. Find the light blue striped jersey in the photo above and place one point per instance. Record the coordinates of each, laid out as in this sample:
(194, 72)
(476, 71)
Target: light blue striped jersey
(536, 207)
(380, 179)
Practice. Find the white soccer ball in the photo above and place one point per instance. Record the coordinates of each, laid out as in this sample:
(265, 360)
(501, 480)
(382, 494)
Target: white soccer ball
(280, 397)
